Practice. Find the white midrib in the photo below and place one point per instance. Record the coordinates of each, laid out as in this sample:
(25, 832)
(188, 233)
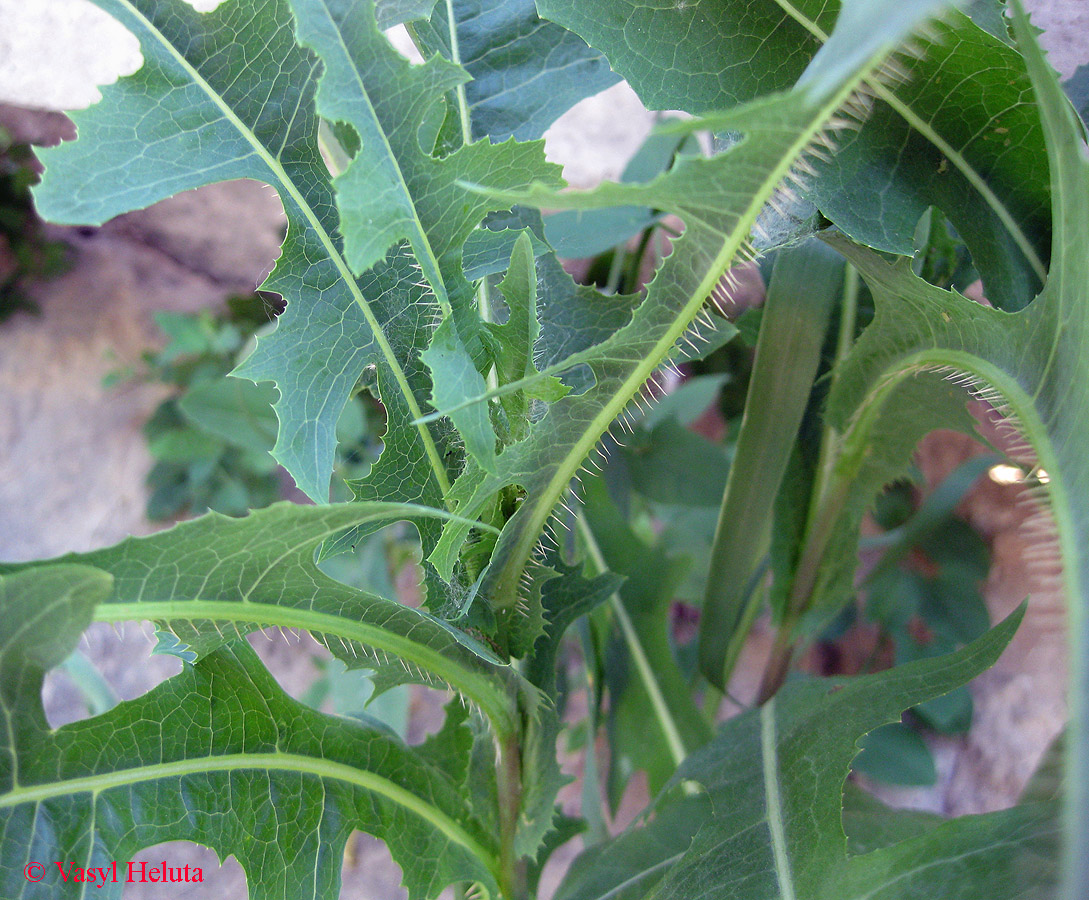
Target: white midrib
(270, 761)
(477, 686)
(769, 754)
(334, 255)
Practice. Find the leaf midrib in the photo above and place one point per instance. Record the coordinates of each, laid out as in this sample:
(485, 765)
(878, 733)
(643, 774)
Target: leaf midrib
(926, 130)
(1022, 408)
(478, 687)
(334, 255)
(769, 755)
(271, 761)
(732, 244)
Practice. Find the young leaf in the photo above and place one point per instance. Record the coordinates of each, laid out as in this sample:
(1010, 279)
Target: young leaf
(218, 754)
(517, 339)
(981, 160)
(719, 200)
(453, 377)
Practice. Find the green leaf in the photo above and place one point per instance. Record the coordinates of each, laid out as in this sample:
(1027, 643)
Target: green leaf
(214, 578)
(581, 233)
(218, 754)
(578, 234)
(674, 465)
(805, 286)
(453, 376)
(719, 199)
(870, 825)
(189, 117)
(234, 409)
(488, 249)
(525, 72)
(185, 445)
(1077, 89)
(393, 188)
(896, 754)
(393, 12)
(688, 402)
(1030, 364)
(45, 613)
(774, 782)
(981, 160)
(517, 339)
(630, 867)
(653, 722)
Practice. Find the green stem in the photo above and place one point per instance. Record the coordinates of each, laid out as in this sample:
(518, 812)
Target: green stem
(630, 283)
(666, 722)
(512, 870)
(597, 827)
(616, 267)
(712, 700)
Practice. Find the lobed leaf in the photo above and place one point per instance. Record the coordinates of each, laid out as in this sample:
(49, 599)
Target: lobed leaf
(218, 754)
(212, 579)
(769, 825)
(976, 150)
(719, 200)
(1029, 364)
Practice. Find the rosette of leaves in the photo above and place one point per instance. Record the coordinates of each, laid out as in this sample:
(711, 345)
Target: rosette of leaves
(495, 397)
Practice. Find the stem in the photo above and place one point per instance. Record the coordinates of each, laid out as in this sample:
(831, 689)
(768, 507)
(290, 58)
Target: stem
(597, 827)
(670, 731)
(512, 870)
(778, 664)
(630, 283)
(801, 591)
(616, 267)
(712, 700)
